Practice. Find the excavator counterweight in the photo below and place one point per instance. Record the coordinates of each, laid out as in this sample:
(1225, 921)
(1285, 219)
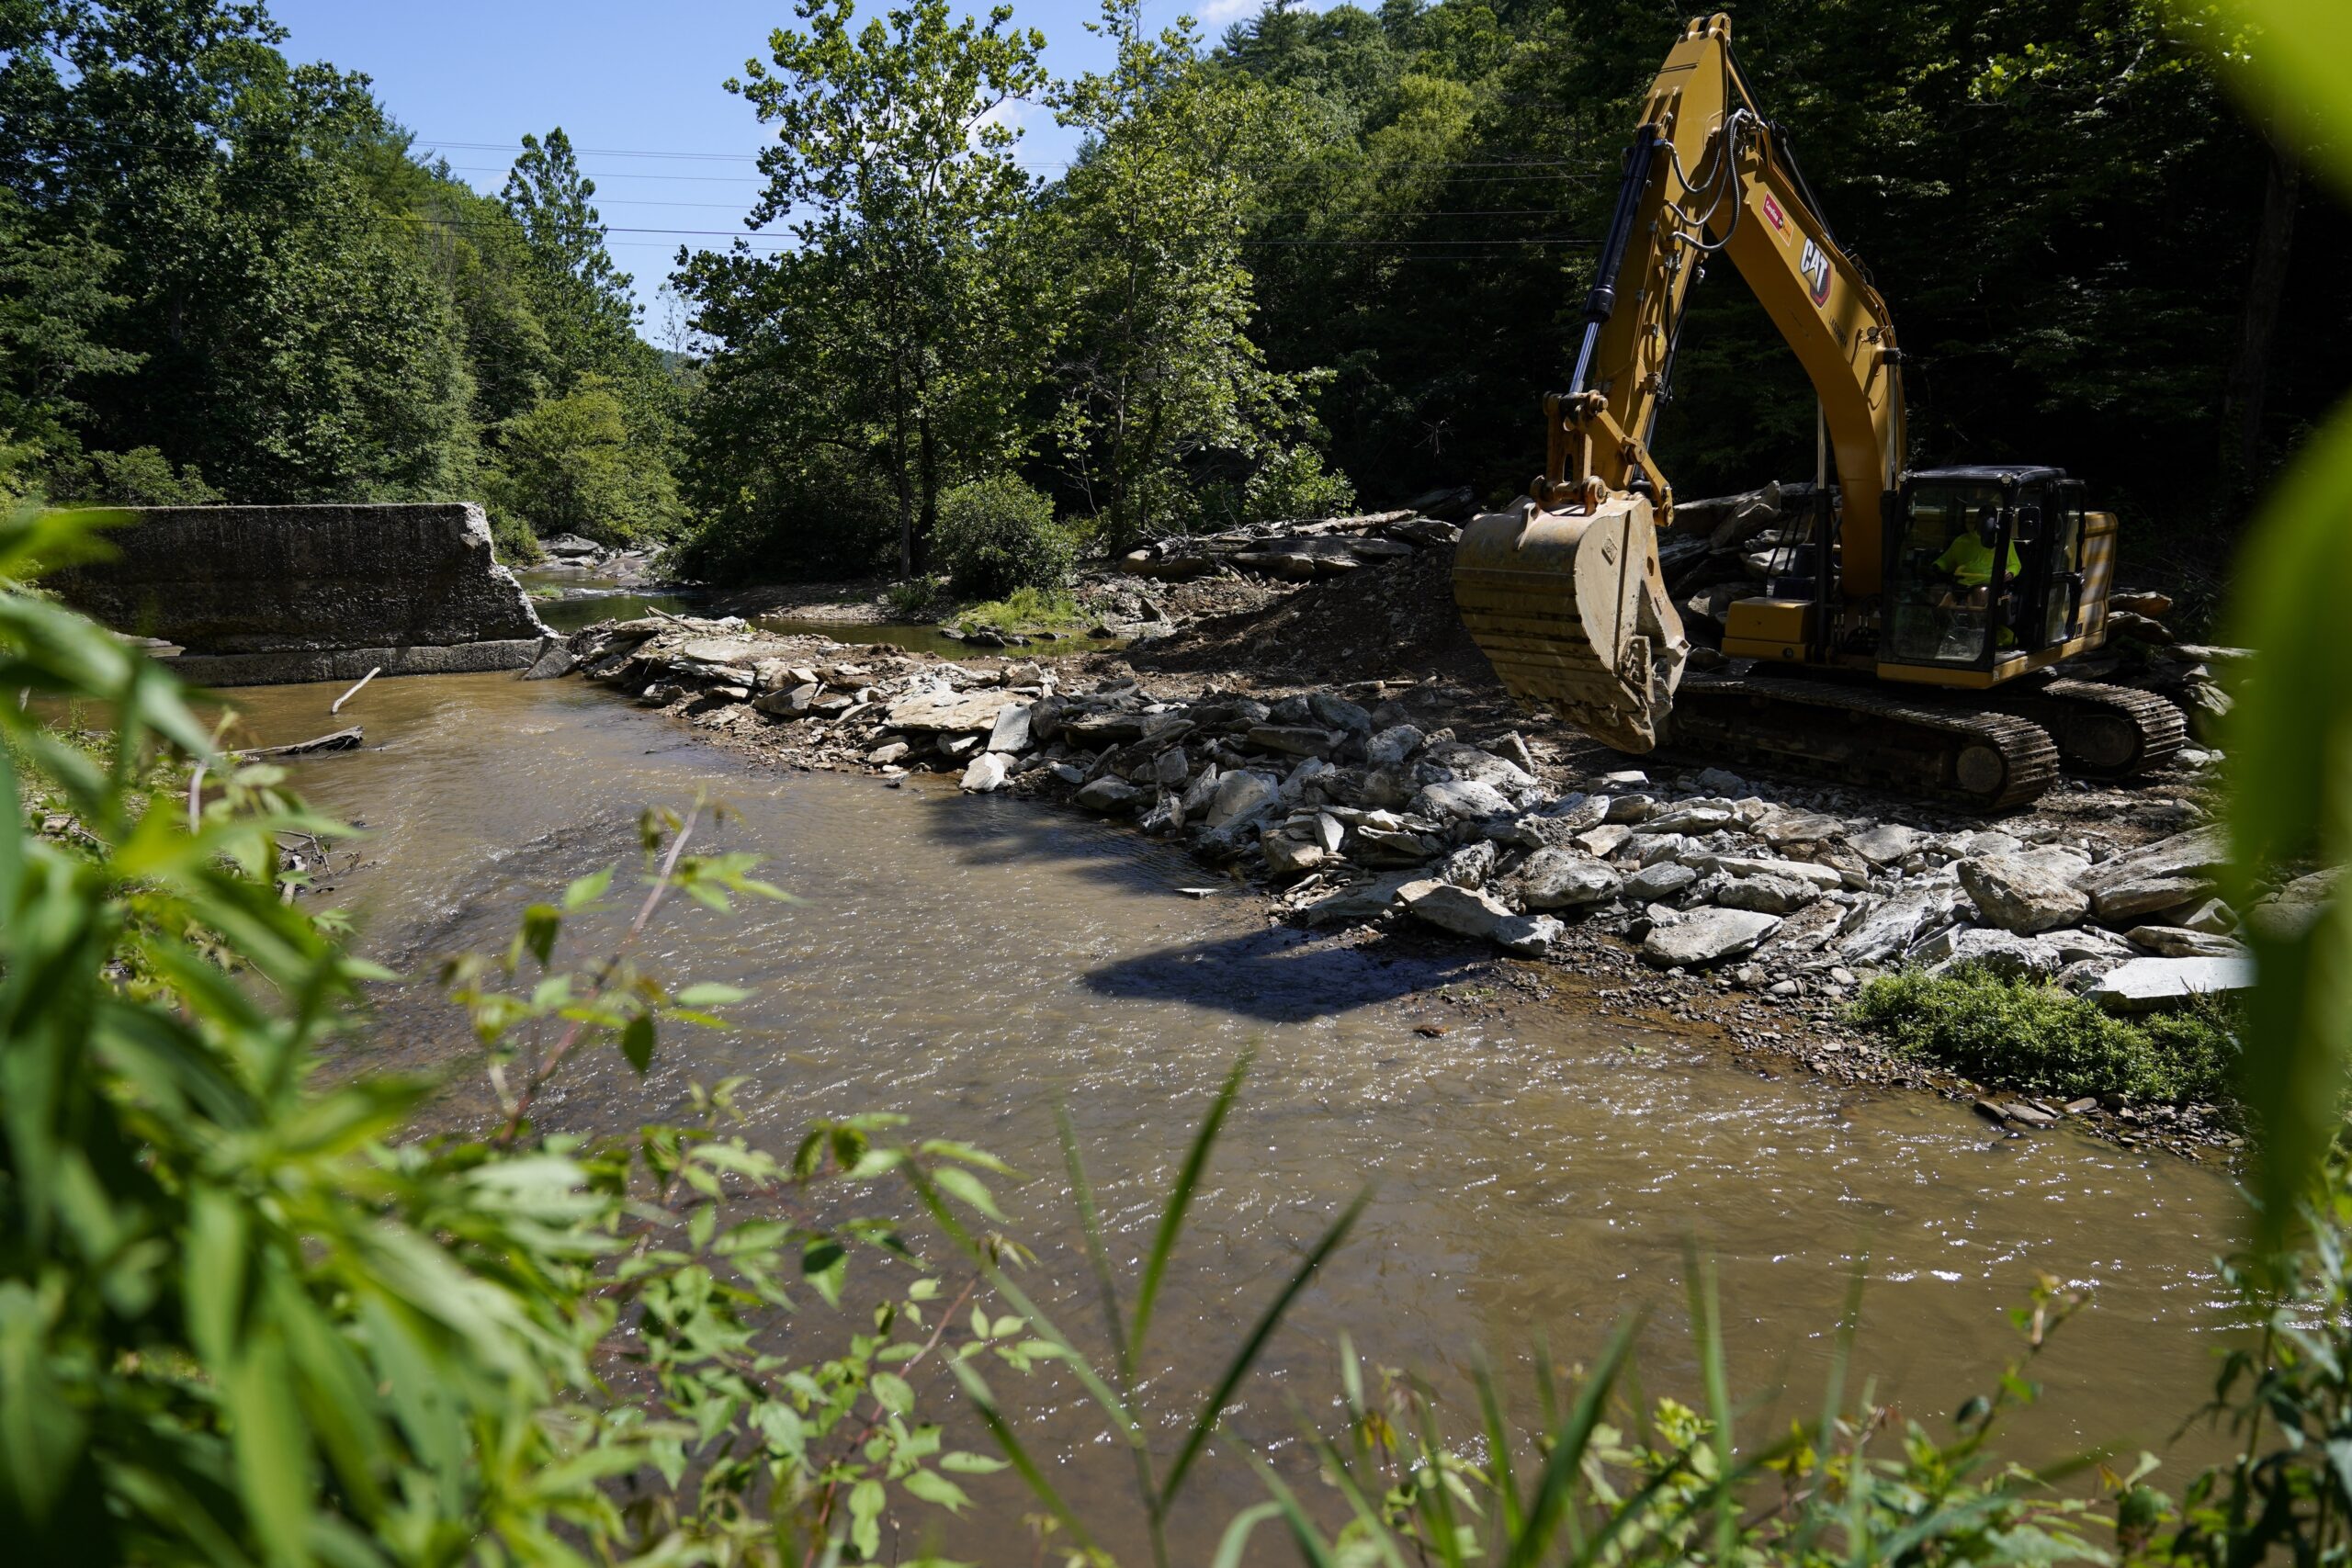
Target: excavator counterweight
(1905, 639)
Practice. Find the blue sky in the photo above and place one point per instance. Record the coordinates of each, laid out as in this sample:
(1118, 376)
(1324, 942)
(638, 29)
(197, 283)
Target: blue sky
(637, 82)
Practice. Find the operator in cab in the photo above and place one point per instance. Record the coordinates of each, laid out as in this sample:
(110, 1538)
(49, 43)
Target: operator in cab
(1967, 561)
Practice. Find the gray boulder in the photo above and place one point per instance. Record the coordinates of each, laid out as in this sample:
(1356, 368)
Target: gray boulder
(1885, 844)
(1783, 827)
(1460, 800)
(1292, 739)
(1692, 819)
(2019, 897)
(1561, 879)
(1337, 712)
(1456, 909)
(1604, 841)
(1632, 808)
(1111, 795)
(2128, 883)
(1390, 846)
(2134, 899)
(986, 774)
(1288, 855)
(1890, 927)
(1393, 745)
(1011, 731)
(1825, 878)
(1707, 936)
(1999, 951)
(1470, 866)
(1529, 936)
(951, 712)
(1365, 902)
(1578, 812)
(1241, 794)
(1663, 880)
(2178, 941)
(1469, 763)
(1767, 895)
(555, 659)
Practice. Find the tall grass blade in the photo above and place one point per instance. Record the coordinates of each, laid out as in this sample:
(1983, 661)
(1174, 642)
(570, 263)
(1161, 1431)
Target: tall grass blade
(1375, 1527)
(1243, 1360)
(1440, 1492)
(984, 1404)
(1303, 1533)
(1179, 1201)
(1238, 1531)
(2290, 795)
(1504, 1484)
(1097, 1253)
(1706, 1327)
(1039, 1323)
(1556, 1483)
(1833, 1402)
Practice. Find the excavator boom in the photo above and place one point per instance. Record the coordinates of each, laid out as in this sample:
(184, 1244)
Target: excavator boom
(1707, 173)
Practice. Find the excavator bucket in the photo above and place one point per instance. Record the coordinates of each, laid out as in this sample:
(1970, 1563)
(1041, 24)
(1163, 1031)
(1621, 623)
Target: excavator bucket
(1570, 609)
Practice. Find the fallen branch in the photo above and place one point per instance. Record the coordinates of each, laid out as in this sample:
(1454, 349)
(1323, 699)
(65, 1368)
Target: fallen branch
(355, 690)
(341, 740)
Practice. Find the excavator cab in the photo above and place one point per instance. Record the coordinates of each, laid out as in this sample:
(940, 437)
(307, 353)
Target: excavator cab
(1984, 572)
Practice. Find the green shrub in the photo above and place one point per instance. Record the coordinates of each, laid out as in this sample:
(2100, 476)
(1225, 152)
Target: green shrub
(997, 534)
(248, 1315)
(1025, 609)
(140, 477)
(573, 466)
(788, 517)
(2035, 1036)
(914, 598)
(512, 539)
(1294, 483)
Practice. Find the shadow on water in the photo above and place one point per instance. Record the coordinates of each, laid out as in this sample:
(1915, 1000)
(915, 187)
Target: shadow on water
(1279, 974)
(1004, 830)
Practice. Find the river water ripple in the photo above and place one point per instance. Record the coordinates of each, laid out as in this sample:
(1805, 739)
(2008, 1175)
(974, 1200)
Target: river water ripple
(970, 960)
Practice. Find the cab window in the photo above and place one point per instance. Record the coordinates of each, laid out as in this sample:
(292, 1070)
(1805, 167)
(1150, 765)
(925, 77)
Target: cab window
(1939, 588)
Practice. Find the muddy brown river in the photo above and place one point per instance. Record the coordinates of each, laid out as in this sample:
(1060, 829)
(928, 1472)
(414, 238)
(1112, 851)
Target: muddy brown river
(970, 960)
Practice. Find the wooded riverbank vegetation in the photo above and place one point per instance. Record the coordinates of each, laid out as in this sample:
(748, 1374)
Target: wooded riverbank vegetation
(1326, 254)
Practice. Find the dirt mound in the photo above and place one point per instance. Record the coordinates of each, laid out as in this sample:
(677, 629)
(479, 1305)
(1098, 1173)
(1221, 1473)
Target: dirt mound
(1374, 623)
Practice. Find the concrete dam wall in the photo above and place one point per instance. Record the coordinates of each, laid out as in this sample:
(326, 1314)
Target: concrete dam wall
(261, 596)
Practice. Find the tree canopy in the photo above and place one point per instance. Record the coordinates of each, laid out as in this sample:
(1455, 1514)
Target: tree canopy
(1344, 246)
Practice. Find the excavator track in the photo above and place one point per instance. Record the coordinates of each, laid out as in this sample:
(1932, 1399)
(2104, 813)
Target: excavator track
(1987, 760)
(2103, 732)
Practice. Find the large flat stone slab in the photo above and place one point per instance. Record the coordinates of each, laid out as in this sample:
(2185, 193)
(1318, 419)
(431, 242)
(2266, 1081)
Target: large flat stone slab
(2142, 985)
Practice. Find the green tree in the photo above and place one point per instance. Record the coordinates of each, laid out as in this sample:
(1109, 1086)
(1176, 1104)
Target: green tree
(585, 302)
(891, 143)
(289, 341)
(1159, 369)
(568, 466)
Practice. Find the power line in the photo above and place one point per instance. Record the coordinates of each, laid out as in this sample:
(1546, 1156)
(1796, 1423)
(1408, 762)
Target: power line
(1023, 163)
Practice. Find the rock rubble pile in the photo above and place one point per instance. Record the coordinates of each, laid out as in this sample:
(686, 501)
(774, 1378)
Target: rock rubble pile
(1348, 811)
(1294, 551)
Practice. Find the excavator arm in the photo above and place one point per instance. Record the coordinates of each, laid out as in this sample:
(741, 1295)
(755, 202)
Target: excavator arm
(1706, 173)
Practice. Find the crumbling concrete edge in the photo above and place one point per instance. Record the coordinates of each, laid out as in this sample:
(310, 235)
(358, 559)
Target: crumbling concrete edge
(294, 667)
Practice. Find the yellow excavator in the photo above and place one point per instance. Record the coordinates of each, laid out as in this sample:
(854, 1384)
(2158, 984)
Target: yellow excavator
(1905, 635)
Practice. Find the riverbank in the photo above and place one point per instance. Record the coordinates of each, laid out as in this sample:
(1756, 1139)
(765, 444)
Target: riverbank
(976, 962)
(1340, 751)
